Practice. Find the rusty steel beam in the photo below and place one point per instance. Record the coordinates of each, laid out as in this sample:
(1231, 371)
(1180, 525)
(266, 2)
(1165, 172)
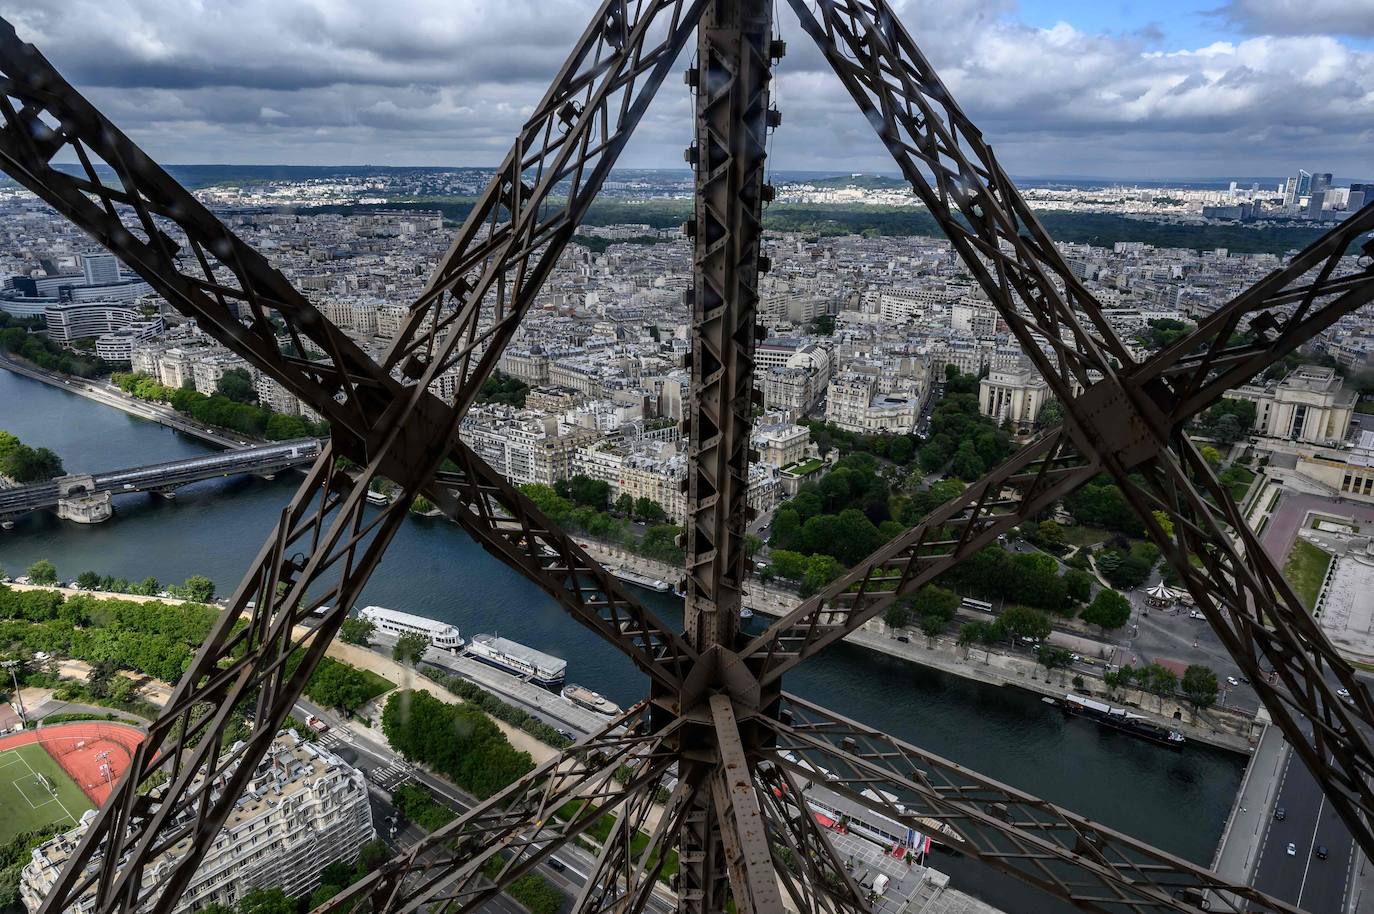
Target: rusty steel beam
(1120, 419)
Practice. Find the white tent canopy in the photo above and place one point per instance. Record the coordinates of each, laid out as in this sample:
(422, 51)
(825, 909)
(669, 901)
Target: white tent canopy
(1161, 594)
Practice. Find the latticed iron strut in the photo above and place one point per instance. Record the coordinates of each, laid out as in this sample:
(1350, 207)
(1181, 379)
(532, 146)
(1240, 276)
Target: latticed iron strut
(714, 762)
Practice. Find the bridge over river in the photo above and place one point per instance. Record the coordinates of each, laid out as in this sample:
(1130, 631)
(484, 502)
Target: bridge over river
(88, 497)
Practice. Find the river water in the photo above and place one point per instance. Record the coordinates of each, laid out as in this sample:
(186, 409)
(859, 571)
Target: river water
(1178, 801)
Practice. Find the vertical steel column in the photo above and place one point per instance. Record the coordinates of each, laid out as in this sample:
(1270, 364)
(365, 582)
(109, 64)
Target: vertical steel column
(734, 44)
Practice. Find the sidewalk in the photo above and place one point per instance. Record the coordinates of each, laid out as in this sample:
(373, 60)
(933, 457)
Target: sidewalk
(1238, 850)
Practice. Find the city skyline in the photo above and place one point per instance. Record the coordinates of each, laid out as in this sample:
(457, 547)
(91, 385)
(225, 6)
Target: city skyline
(1186, 89)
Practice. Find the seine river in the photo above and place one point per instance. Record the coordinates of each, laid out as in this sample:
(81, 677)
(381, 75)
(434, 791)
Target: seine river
(1178, 801)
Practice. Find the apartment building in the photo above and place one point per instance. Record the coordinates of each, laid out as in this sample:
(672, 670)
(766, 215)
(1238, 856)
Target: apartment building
(304, 808)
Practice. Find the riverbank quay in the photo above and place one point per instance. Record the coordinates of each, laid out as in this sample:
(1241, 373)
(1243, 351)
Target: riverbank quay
(1225, 729)
(1238, 851)
(364, 659)
(106, 395)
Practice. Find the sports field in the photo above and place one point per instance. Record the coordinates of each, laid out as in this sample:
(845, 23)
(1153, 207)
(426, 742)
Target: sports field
(34, 791)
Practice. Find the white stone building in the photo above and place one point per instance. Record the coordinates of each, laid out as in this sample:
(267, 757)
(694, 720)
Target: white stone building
(1013, 394)
(1310, 405)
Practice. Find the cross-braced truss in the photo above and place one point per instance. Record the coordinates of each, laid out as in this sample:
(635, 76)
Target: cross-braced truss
(713, 770)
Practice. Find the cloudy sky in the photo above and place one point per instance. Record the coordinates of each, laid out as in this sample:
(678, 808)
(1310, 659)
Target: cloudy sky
(1110, 88)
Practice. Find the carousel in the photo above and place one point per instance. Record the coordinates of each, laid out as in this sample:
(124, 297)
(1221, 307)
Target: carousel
(1161, 596)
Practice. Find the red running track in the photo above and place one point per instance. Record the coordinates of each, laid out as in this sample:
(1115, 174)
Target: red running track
(83, 749)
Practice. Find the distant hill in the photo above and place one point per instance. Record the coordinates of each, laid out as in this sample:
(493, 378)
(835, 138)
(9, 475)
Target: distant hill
(866, 182)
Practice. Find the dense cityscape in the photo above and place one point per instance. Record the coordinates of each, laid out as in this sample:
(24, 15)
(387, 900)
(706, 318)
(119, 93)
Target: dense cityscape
(885, 382)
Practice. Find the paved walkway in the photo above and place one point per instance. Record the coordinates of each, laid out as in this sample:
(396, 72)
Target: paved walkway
(1240, 840)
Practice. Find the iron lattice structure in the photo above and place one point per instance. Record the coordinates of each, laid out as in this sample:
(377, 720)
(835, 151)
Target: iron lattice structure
(713, 762)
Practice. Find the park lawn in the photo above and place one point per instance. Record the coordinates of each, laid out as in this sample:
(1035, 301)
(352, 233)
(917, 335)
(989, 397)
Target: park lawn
(1365, 406)
(376, 684)
(1305, 570)
(27, 804)
(1244, 478)
(1082, 535)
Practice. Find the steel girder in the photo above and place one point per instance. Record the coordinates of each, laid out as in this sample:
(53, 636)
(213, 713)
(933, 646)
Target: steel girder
(385, 420)
(226, 277)
(615, 772)
(721, 840)
(731, 75)
(807, 864)
(1121, 420)
(1051, 467)
(1094, 867)
(374, 417)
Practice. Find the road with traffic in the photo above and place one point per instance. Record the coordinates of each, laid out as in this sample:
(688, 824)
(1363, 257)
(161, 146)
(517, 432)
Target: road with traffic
(1314, 884)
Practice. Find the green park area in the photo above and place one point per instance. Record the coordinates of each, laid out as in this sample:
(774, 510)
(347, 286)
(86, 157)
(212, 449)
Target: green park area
(35, 792)
(1305, 570)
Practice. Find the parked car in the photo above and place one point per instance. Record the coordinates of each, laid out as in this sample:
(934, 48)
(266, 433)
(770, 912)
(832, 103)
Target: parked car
(1292, 849)
(1320, 852)
(1194, 614)
(1232, 680)
(1280, 814)
(1344, 693)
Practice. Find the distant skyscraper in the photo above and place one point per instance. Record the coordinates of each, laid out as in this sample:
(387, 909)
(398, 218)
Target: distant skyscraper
(1359, 195)
(1233, 188)
(1304, 182)
(1320, 182)
(100, 269)
(1314, 204)
(1290, 193)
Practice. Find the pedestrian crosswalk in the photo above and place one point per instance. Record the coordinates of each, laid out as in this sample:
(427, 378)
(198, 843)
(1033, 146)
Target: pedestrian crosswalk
(330, 740)
(390, 776)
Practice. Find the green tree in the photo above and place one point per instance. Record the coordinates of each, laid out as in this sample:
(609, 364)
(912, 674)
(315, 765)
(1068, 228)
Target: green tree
(150, 586)
(98, 679)
(932, 625)
(583, 490)
(1078, 584)
(266, 901)
(1024, 622)
(901, 450)
(649, 510)
(410, 648)
(1158, 681)
(898, 615)
(1049, 534)
(357, 630)
(237, 385)
(1166, 523)
(971, 633)
(820, 570)
(1200, 686)
(458, 740)
(1211, 455)
(625, 504)
(788, 564)
(968, 465)
(1052, 413)
(88, 580)
(1052, 658)
(1108, 610)
(199, 588)
(42, 572)
(752, 545)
